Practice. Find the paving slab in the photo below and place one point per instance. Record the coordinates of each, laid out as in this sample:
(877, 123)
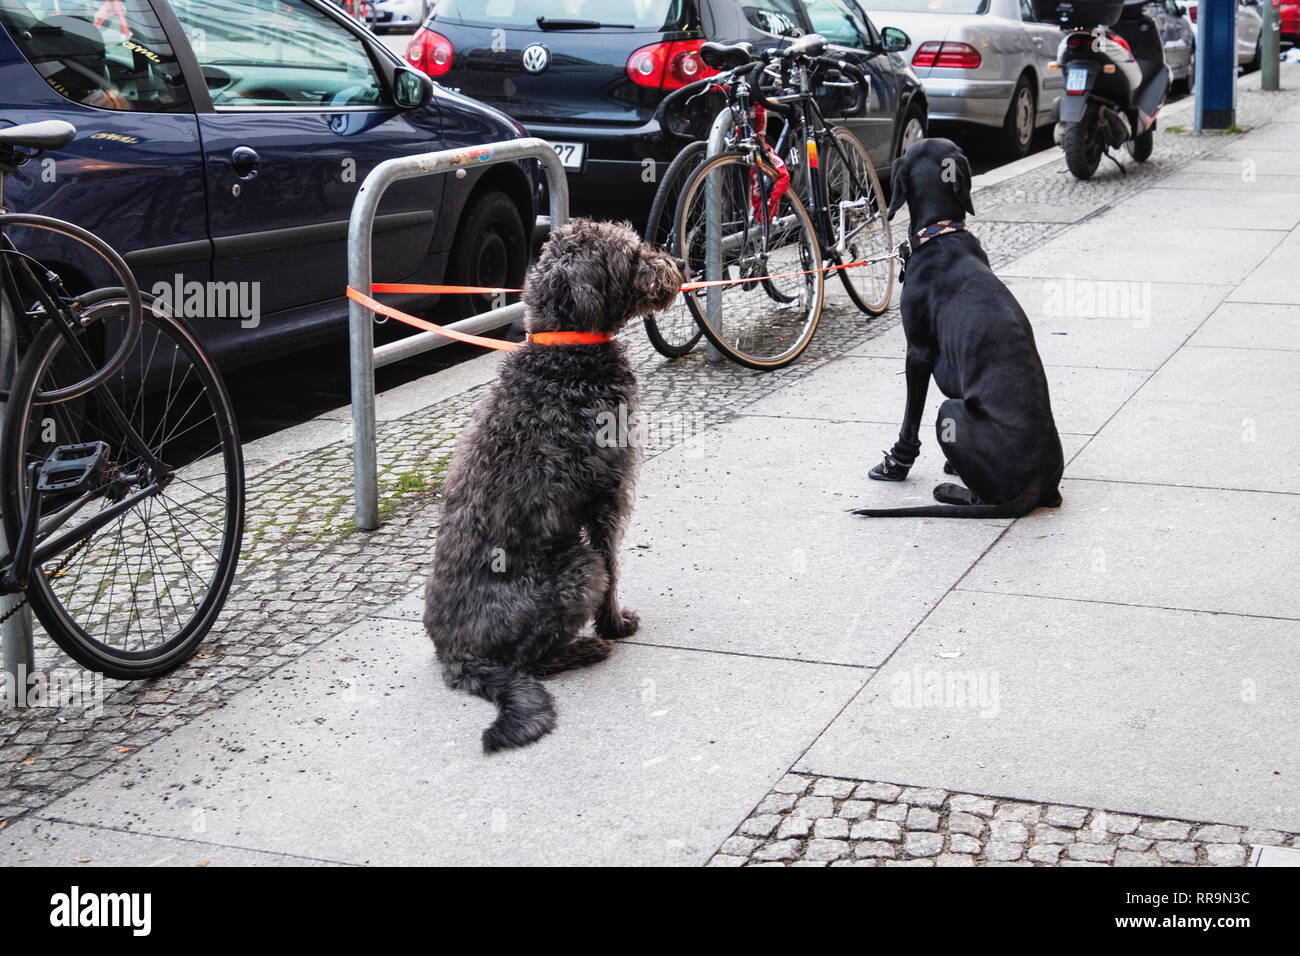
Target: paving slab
(358, 751)
(1248, 325)
(1137, 710)
(828, 587)
(1076, 322)
(33, 841)
(1191, 548)
(1274, 281)
(1090, 251)
(1228, 177)
(873, 390)
(1038, 212)
(1252, 206)
(1231, 163)
(1219, 418)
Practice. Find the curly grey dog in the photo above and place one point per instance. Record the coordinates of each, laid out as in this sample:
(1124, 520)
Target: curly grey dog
(541, 485)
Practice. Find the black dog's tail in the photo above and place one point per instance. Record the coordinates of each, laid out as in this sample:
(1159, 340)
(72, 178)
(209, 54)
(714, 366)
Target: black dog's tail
(525, 708)
(1018, 506)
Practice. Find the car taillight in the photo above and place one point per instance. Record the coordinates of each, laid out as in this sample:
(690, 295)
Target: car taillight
(961, 56)
(1192, 12)
(668, 66)
(430, 52)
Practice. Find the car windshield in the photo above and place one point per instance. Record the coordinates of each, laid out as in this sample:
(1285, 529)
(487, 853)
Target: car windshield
(565, 14)
(966, 7)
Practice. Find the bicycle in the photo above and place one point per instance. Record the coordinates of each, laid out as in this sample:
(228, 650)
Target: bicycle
(832, 193)
(121, 472)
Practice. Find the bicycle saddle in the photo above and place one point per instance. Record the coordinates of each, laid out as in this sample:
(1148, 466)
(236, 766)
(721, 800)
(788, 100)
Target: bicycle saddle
(50, 134)
(726, 56)
(814, 44)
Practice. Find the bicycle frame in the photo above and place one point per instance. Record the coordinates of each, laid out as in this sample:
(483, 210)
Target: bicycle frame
(35, 545)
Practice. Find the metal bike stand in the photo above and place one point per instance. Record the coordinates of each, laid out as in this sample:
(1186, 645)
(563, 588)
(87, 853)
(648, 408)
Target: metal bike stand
(18, 649)
(722, 126)
(364, 357)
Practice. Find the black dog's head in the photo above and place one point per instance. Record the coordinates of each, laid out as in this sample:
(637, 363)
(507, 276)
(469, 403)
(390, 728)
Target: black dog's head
(933, 178)
(594, 276)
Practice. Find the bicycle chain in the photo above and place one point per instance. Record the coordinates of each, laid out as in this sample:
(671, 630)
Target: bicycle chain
(48, 574)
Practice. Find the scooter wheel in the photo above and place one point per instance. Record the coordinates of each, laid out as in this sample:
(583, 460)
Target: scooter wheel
(1140, 148)
(1082, 145)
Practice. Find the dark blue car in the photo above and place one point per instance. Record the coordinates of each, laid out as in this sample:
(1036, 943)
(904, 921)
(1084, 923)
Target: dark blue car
(223, 141)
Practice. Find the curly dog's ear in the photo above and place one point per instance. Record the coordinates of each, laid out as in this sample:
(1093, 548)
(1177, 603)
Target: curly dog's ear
(656, 280)
(566, 287)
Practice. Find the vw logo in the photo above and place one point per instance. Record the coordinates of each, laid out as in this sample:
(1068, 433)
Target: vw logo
(536, 58)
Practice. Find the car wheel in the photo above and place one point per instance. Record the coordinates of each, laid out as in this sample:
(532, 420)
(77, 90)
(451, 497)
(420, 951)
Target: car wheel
(491, 250)
(1018, 128)
(1189, 81)
(1254, 64)
(913, 130)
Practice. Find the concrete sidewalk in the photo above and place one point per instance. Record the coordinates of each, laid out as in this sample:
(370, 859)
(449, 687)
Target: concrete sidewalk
(1113, 682)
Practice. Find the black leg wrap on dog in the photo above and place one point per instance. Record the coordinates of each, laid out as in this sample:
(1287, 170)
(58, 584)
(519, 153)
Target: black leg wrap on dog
(897, 463)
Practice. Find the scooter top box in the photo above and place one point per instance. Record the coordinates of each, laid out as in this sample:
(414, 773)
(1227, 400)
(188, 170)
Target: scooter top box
(1081, 13)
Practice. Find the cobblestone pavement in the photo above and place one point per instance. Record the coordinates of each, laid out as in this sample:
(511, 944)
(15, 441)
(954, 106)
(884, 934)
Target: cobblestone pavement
(820, 821)
(306, 574)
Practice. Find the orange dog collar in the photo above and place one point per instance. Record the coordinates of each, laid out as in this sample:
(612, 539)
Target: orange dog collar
(568, 338)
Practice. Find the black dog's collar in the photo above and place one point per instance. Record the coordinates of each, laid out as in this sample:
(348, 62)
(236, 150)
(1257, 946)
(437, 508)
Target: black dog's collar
(918, 239)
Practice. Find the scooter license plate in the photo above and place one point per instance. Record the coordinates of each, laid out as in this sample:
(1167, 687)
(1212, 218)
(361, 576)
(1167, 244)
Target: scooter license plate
(1077, 80)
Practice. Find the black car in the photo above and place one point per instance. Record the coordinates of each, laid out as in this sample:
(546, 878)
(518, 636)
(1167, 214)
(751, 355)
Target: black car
(221, 145)
(587, 75)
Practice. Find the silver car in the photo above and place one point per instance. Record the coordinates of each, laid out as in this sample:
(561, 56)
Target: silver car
(982, 62)
(1250, 24)
(399, 14)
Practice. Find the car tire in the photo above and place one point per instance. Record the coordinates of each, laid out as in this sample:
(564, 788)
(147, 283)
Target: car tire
(1254, 64)
(1189, 81)
(491, 249)
(1018, 128)
(912, 129)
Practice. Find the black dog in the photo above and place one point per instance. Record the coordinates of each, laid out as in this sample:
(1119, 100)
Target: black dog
(967, 329)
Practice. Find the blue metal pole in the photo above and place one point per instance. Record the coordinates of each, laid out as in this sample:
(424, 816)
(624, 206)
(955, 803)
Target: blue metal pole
(1216, 64)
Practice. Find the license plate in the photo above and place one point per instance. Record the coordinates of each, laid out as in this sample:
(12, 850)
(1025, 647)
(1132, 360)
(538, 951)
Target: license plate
(571, 154)
(1077, 81)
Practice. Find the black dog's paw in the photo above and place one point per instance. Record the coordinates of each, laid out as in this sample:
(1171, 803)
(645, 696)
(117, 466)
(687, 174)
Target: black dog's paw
(889, 470)
(951, 494)
(948, 469)
(625, 624)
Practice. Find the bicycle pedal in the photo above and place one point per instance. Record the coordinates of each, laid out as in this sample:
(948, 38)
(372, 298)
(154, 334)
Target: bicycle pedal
(73, 467)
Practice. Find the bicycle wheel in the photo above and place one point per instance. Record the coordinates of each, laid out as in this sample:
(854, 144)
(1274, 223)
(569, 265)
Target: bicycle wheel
(750, 255)
(674, 331)
(857, 210)
(134, 598)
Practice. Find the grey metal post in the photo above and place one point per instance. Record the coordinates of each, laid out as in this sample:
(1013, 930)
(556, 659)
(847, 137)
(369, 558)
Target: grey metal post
(1270, 45)
(363, 355)
(16, 640)
(721, 129)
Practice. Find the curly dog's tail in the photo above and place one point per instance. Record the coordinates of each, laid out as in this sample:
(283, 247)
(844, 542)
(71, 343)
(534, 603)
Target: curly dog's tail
(525, 708)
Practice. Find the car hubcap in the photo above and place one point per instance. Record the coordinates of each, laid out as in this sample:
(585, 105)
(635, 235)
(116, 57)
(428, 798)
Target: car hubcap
(492, 261)
(911, 134)
(1025, 117)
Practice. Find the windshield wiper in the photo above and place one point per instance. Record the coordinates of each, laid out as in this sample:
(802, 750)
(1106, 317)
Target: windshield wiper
(548, 24)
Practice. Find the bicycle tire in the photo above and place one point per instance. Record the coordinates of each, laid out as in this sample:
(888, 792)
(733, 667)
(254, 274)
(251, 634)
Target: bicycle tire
(191, 500)
(870, 287)
(120, 270)
(798, 266)
(674, 331)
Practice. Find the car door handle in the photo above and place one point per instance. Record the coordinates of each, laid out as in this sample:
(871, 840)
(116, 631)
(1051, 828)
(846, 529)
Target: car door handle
(245, 161)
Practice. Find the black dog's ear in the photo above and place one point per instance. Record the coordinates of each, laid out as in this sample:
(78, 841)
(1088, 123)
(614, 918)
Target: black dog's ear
(961, 181)
(899, 185)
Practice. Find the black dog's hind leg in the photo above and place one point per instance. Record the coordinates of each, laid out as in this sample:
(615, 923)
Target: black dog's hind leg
(899, 459)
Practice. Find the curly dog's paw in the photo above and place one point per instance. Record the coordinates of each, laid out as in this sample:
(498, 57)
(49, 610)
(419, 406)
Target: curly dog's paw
(624, 624)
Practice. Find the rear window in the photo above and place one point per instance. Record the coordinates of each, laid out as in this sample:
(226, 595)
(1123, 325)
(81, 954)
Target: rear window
(566, 14)
(929, 6)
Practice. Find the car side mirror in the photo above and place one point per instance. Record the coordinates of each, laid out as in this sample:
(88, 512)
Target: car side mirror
(894, 40)
(411, 90)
